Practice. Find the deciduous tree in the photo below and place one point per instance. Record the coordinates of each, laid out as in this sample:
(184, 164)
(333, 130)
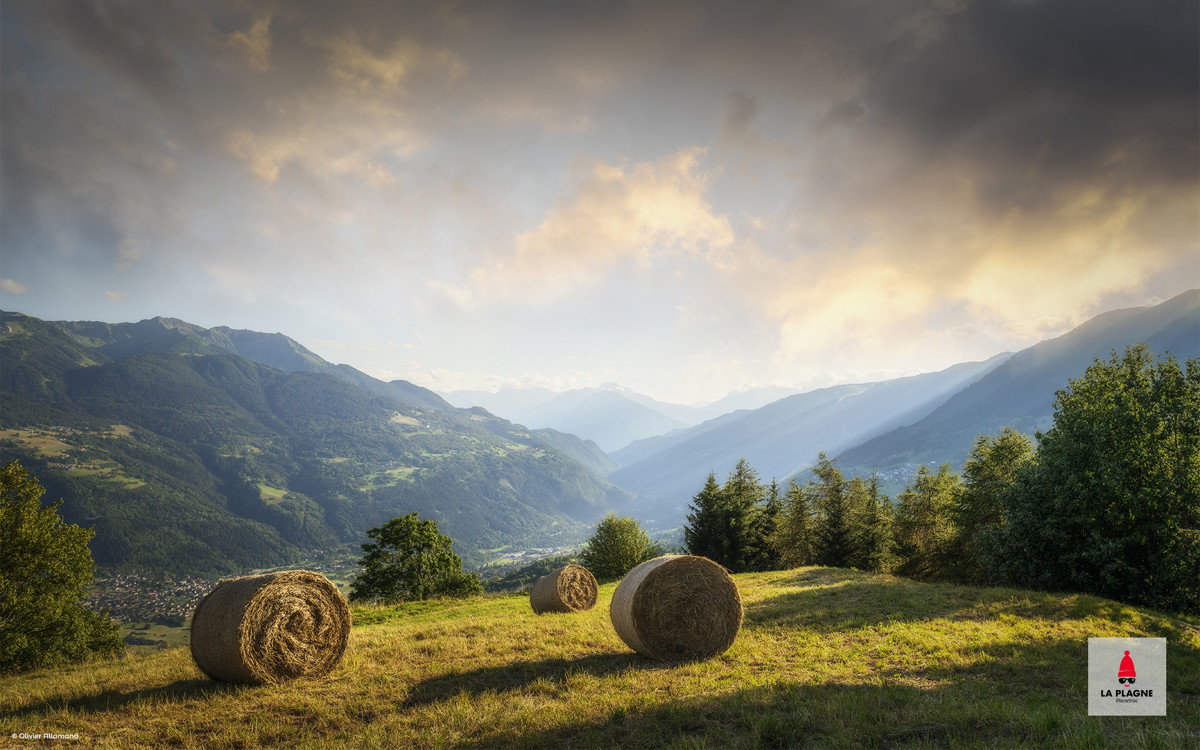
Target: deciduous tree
(410, 560)
(616, 547)
(45, 566)
(1110, 505)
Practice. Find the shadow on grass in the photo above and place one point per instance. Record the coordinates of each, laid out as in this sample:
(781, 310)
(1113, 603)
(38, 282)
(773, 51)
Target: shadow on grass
(1010, 695)
(178, 691)
(786, 715)
(518, 675)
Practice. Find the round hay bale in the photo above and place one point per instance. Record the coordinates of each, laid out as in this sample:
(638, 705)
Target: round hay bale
(270, 628)
(677, 607)
(569, 589)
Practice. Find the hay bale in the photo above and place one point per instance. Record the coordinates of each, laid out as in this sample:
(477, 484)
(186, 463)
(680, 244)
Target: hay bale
(569, 589)
(270, 628)
(677, 607)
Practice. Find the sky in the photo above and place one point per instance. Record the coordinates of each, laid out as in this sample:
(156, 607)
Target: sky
(687, 198)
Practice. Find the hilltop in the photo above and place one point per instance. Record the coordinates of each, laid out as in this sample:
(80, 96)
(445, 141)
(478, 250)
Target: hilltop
(826, 658)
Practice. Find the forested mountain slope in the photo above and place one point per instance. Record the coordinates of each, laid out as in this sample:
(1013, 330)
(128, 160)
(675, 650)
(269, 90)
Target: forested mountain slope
(186, 460)
(781, 438)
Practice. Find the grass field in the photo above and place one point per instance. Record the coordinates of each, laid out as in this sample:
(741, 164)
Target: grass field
(826, 658)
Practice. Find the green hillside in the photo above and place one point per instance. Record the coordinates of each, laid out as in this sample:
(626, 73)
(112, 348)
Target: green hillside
(201, 463)
(826, 658)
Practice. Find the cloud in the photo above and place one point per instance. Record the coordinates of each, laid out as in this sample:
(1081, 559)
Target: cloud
(354, 63)
(1021, 163)
(8, 286)
(793, 188)
(635, 214)
(116, 296)
(254, 43)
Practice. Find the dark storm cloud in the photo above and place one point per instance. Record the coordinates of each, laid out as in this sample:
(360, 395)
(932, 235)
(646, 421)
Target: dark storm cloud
(1078, 87)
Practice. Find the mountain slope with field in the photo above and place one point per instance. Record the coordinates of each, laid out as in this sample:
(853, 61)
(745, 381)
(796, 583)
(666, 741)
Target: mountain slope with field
(825, 658)
(190, 459)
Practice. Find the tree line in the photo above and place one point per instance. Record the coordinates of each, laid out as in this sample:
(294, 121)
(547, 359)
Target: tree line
(1106, 502)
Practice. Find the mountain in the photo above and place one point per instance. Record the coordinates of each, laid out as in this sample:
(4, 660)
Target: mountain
(188, 456)
(781, 438)
(120, 340)
(1021, 392)
(611, 415)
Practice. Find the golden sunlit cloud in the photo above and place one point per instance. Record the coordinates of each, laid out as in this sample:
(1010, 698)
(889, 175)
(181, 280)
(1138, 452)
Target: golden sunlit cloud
(614, 214)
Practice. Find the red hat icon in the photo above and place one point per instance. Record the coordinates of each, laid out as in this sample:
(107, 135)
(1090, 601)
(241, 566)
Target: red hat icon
(1126, 669)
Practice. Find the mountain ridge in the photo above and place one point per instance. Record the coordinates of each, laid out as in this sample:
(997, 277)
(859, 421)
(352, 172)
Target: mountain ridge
(223, 463)
(1020, 394)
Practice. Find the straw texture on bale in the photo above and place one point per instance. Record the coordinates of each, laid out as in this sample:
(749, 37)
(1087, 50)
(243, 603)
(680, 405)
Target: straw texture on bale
(677, 607)
(270, 628)
(569, 589)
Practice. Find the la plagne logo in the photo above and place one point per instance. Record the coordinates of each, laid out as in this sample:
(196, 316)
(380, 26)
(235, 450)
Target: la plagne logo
(1127, 676)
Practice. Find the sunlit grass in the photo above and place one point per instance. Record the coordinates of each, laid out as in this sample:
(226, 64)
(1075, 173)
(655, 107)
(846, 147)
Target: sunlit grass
(826, 658)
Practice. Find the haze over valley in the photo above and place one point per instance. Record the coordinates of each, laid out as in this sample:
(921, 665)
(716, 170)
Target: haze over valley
(220, 450)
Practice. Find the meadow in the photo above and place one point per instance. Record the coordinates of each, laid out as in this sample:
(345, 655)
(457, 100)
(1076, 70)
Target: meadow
(826, 658)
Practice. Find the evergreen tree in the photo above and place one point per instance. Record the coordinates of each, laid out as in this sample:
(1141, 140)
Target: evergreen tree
(45, 566)
(793, 541)
(743, 493)
(763, 525)
(1110, 505)
(834, 533)
(991, 468)
(616, 547)
(410, 561)
(727, 524)
(874, 545)
(923, 526)
(706, 532)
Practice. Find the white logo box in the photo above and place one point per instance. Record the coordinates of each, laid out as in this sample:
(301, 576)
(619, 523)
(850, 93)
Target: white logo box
(1127, 685)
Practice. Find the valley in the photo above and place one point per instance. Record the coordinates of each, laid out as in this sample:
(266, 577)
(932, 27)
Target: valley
(204, 453)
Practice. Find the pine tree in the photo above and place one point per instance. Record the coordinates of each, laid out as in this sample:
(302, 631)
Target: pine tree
(834, 533)
(743, 494)
(792, 540)
(763, 526)
(727, 524)
(991, 468)
(924, 527)
(706, 533)
(874, 547)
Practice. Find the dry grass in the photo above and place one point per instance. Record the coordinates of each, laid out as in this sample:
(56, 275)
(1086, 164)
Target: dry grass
(826, 658)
